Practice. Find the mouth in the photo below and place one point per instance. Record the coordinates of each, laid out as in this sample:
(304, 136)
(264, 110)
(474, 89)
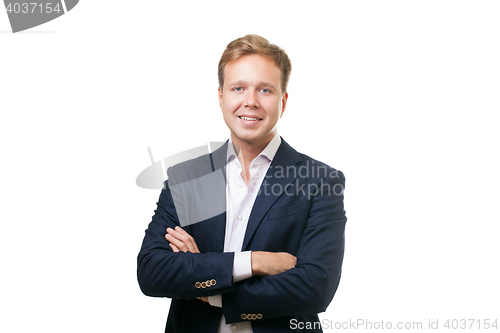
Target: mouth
(249, 118)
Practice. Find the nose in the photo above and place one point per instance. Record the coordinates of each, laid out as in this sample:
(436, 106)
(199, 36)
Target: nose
(252, 100)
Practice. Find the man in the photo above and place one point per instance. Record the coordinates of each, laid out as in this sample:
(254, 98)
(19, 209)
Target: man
(249, 238)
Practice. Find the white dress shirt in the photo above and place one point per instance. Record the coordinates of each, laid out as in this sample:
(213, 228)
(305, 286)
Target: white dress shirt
(240, 199)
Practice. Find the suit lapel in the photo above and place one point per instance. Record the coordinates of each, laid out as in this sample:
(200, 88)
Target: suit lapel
(273, 186)
(217, 224)
(219, 156)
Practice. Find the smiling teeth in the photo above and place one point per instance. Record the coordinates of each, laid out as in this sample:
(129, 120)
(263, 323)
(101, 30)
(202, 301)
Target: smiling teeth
(246, 118)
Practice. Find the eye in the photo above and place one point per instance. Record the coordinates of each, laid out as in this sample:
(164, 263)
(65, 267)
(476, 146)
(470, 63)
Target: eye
(265, 91)
(238, 89)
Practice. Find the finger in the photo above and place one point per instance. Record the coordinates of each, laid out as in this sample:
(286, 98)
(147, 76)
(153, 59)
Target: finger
(170, 239)
(181, 231)
(174, 248)
(177, 239)
(181, 235)
(188, 239)
(179, 244)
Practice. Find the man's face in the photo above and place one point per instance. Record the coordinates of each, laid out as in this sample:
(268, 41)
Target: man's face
(251, 99)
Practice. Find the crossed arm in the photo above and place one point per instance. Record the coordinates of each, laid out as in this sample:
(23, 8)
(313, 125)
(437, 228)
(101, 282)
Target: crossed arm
(263, 263)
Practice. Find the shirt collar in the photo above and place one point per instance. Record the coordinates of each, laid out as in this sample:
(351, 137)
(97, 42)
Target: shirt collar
(269, 151)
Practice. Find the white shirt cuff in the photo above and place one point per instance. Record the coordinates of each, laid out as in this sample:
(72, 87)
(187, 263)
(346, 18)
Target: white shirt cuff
(215, 300)
(242, 267)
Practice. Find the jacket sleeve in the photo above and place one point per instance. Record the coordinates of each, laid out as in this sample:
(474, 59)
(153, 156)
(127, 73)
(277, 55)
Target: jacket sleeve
(310, 286)
(164, 273)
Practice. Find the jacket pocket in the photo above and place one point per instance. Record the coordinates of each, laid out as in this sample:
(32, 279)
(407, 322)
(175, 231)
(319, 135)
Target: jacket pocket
(295, 208)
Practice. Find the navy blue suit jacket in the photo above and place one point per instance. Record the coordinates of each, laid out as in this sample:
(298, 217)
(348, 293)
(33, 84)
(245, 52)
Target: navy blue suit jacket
(299, 210)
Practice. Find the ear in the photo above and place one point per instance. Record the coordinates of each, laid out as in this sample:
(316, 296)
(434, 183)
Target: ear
(220, 97)
(284, 100)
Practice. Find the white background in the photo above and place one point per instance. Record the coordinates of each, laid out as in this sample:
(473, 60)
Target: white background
(402, 96)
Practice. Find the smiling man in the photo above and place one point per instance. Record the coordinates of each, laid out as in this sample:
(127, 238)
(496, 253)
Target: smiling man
(252, 102)
(249, 238)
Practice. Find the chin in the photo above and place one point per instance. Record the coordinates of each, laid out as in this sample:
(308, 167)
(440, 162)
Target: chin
(246, 138)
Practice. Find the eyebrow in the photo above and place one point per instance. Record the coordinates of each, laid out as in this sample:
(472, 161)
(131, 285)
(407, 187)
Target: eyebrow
(259, 84)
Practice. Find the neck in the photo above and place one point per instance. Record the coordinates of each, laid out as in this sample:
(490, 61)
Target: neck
(246, 151)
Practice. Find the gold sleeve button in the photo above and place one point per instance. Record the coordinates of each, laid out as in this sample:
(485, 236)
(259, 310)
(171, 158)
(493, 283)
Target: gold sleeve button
(213, 282)
(197, 285)
(244, 316)
(254, 316)
(209, 283)
(259, 315)
(203, 284)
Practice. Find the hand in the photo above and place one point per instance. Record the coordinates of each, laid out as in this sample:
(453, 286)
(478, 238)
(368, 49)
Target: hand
(180, 240)
(271, 263)
(204, 299)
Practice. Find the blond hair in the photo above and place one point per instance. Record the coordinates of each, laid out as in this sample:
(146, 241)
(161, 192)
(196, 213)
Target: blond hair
(254, 44)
